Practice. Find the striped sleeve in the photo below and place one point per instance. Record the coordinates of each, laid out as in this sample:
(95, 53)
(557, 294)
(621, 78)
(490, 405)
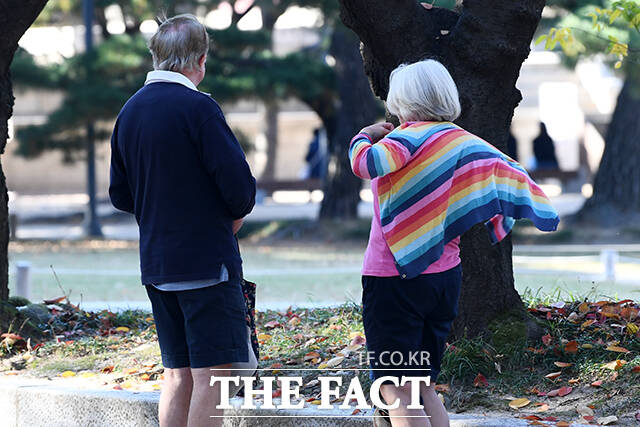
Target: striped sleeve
(370, 161)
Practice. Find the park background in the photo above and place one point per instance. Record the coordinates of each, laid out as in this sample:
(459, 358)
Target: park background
(280, 70)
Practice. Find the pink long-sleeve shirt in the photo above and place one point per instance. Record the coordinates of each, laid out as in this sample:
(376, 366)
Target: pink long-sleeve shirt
(378, 259)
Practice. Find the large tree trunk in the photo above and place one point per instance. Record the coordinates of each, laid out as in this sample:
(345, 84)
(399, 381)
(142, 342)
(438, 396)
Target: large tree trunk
(15, 17)
(483, 45)
(357, 108)
(616, 187)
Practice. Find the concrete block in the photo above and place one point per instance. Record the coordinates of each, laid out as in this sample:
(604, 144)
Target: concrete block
(8, 404)
(63, 407)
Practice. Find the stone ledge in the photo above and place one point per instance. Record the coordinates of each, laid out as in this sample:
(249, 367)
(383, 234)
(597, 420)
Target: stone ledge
(32, 404)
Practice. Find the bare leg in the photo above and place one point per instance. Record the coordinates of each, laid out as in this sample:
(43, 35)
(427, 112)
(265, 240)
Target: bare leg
(390, 393)
(433, 406)
(205, 398)
(175, 397)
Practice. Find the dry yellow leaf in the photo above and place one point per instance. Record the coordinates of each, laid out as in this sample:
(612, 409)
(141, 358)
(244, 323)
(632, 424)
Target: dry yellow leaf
(335, 361)
(122, 329)
(264, 337)
(617, 349)
(294, 321)
(562, 364)
(67, 374)
(615, 365)
(519, 403)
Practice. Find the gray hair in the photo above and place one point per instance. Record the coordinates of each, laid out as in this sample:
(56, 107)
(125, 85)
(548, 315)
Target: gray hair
(423, 91)
(179, 43)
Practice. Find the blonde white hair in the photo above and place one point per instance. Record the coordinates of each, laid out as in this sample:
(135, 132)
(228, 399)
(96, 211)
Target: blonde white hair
(179, 44)
(423, 91)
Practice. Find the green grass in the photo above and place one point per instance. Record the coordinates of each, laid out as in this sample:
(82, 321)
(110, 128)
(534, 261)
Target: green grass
(292, 274)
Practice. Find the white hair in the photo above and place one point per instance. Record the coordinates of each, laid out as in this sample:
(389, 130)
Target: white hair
(423, 91)
(179, 44)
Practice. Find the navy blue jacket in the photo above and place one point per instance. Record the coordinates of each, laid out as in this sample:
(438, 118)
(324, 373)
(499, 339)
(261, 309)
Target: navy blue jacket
(177, 166)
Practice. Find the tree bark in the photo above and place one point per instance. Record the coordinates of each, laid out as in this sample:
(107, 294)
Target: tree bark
(271, 111)
(483, 45)
(616, 187)
(357, 108)
(270, 14)
(15, 17)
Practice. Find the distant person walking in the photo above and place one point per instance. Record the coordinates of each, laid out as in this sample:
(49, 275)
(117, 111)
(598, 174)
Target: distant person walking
(432, 181)
(316, 157)
(544, 150)
(177, 166)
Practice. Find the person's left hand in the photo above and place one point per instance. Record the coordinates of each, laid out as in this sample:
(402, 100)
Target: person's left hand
(378, 131)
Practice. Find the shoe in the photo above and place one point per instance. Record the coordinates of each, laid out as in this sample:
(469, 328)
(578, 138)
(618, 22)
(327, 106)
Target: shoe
(381, 418)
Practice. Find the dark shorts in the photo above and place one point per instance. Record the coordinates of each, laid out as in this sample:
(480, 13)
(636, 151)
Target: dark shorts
(406, 322)
(202, 327)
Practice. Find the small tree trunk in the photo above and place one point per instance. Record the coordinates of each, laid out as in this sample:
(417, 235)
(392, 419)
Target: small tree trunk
(271, 135)
(15, 17)
(358, 108)
(616, 187)
(270, 14)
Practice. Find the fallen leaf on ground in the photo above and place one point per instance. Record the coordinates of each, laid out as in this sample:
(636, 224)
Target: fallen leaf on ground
(553, 375)
(571, 347)
(617, 349)
(122, 329)
(546, 339)
(67, 374)
(264, 337)
(596, 383)
(562, 364)
(562, 391)
(480, 381)
(519, 403)
(272, 324)
(358, 340)
(444, 388)
(335, 361)
(54, 301)
(311, 355)
(615, 365)
(542, 408)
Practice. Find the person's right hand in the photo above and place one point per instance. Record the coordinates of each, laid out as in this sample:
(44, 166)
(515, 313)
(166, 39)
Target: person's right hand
(378, 131)
(237, 225)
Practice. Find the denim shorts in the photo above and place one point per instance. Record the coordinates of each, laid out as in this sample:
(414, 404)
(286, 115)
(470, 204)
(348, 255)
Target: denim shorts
(201, 328)
(407, 322)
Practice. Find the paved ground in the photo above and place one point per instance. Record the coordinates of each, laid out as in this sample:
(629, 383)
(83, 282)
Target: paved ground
(46, 403)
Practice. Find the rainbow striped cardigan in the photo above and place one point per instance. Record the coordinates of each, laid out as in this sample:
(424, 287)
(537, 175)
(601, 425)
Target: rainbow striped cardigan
(436, 181)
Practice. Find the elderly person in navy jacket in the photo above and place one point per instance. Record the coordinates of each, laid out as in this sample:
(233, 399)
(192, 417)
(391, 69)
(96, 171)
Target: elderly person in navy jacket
(177, 166)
